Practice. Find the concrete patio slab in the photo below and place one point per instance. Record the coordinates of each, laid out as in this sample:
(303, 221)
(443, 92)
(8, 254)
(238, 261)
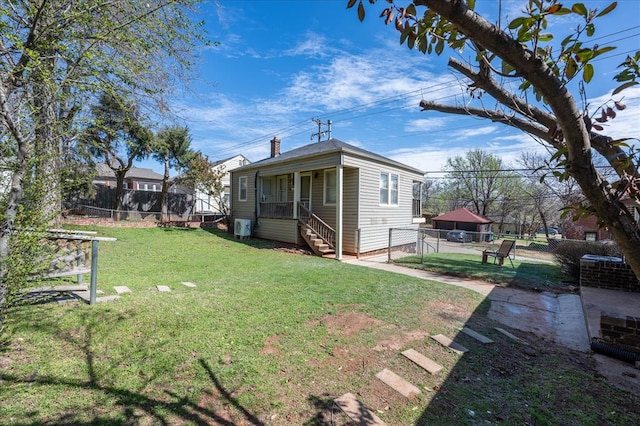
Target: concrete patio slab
(163, 288)
(120, 289)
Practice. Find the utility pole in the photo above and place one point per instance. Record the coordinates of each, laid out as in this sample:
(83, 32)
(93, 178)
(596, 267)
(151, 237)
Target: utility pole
(321, 133)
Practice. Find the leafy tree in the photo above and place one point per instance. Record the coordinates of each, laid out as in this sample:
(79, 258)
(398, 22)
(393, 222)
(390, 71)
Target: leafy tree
(172, 147)
(117, 137)
(203, 175)
(480, 178)
(56, 57)
(525, 53)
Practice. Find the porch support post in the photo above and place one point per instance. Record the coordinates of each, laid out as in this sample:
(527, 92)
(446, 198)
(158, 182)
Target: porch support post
(296, 193)
(339, 194)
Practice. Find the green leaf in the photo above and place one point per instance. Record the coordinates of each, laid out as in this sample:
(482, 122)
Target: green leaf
(580, 9)
(587, 73)
(607, 9)
(350, 4)
(606, 49)
(439, 46)
(517, 22)
(506, 68)
(624, 86)
(545, 37)
(563, 11)
(584, 55)
(411, 10)
(590, 29)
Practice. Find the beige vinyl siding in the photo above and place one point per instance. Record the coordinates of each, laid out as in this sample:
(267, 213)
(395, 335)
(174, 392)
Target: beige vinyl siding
(375, 219)
(350, 207)
(243, 209)
(284, 230)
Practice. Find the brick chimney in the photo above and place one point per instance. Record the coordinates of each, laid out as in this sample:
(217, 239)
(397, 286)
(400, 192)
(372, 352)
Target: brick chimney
(275, 147)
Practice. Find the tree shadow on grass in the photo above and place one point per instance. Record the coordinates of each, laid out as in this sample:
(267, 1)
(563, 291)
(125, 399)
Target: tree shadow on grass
(136, 407)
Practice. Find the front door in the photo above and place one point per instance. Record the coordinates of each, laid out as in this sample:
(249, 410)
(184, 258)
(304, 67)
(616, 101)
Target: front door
(305, 191)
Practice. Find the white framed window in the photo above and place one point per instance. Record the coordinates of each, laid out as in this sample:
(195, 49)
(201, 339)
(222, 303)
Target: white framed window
(388, 189)
(242, 183)
(146, 186)
(125, 185)
(330, 192)
(154, 188)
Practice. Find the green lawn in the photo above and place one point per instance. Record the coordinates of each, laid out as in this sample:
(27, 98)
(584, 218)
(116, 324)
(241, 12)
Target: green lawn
(524, 274)
(269, 337)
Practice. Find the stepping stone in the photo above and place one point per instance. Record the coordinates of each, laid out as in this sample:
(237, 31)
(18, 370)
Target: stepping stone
(445, 341)
(357, 411)
(122, 289)
(399, 384)
(163, 288)
(479, 337)
(106, 299)
(431, 366)
(511, 336)
(188, 284)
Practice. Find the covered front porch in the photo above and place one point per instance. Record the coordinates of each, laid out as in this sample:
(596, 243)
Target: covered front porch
(305, 203)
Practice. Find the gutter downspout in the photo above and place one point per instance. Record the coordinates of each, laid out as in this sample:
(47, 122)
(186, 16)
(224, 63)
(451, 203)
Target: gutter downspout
(339, 200)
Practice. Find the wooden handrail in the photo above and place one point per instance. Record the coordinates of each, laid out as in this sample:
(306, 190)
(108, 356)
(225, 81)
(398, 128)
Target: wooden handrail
(317, 225)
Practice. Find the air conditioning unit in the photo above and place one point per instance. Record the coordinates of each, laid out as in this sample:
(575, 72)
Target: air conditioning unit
(242, 228)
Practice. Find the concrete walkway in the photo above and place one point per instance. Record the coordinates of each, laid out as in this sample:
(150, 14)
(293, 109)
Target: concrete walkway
(557, 318)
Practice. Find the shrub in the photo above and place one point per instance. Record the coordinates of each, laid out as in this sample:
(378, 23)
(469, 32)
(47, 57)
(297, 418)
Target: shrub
(569, 252)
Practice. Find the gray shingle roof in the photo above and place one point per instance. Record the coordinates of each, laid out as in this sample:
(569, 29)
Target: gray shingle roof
(135, 173)
(325, 147)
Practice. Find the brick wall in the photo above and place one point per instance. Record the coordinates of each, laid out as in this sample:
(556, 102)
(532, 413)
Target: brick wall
(608, 273)
(620, 330)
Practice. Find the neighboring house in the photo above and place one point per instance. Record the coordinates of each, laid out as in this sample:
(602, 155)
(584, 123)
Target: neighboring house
(206, 203)
(587, 228)
(335, 196)
(465, 220)
(137, 178)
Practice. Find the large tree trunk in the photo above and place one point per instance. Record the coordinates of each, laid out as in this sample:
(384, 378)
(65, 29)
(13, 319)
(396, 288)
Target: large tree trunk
(569, 119)
(120, 175)
(165, 189)
(47, 162)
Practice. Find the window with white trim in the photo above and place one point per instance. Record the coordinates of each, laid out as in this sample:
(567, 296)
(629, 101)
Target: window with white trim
(242, 184)
(330, 192)
(388, 189)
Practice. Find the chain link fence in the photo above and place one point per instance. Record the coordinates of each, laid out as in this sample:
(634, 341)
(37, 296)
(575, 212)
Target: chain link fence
(406, 242)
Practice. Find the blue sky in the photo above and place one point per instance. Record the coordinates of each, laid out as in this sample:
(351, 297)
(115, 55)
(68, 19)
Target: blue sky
(279, 64)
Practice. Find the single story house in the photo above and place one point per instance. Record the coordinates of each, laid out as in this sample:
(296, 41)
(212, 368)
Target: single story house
(137, 178)
(464, 220)
(333, 195)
